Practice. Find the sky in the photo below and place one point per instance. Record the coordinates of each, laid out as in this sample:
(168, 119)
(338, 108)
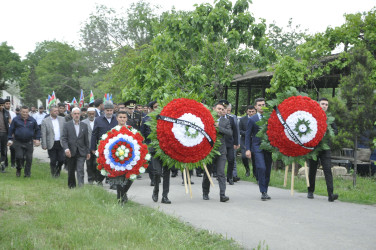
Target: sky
(23, 23)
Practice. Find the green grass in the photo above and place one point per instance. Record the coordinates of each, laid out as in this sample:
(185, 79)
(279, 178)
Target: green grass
(42, 213)
(363, 193)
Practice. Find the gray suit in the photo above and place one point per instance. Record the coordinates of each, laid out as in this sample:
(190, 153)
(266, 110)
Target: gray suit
(54, 149)
(91, 164)
(79, 148)
(224, 128)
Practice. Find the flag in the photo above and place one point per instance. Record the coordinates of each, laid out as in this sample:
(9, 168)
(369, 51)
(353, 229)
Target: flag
(110, 98)
(74, 101)
(91, 97)
(52, 99)
(48, 100)
(105, 97)
(81, 104)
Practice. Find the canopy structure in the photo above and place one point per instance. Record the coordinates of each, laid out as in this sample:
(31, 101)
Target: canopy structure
(256, 80)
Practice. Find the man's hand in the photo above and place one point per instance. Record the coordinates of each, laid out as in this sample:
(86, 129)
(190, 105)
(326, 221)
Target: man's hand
(236, 147)
(68, 153)
(216, 124)
(36, 143)
(87, 157)
(93, 152)
(44, 148)
(9, 143)
(248, 154)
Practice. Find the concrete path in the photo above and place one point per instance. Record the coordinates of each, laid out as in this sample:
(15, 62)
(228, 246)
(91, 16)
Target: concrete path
(284, 222)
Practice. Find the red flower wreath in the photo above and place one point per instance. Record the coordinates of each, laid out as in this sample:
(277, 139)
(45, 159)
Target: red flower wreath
(185, 145)
(306, 119)
(122, 152)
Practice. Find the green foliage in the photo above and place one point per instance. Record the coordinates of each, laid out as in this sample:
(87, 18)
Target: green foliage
(11, 66)
(198, 51)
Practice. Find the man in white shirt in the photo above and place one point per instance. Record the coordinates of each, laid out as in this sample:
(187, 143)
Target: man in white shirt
(91, 164)
(52, 129)
(39, 116)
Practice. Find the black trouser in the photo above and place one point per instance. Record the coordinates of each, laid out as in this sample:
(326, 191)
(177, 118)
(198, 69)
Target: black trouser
(150, 170)
(24, 151)
(324, 157)
(219, 162)
(57, 158)
(3, 146)
(12, 156)
(91, 168)
(75, 163)
(230, 160)
(123, 189)
(164, 171)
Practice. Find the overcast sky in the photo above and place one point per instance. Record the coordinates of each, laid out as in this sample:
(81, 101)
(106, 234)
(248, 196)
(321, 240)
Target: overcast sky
(23, 23)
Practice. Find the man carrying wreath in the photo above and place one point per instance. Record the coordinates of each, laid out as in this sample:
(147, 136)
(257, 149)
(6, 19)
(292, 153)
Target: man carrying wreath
(224, 128)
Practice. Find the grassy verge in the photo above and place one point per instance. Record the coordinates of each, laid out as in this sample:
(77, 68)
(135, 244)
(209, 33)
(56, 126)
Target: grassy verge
(363, 193)
(41, 212)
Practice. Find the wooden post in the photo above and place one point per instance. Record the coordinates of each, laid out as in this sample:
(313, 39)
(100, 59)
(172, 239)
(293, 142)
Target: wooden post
(207, 173)
(286, 173)
(292, 178)
(185, 181)
(306, 173)
(189, 181)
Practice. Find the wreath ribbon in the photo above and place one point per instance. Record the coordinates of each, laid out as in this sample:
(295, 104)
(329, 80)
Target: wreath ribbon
(187, 123)
(289, 130)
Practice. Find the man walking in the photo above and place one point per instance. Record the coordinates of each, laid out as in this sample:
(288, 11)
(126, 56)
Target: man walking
(91, 164)
(75, 143)
(4, 126)
(102, 124)
(324, 157)
(263, 159)
(51, 130)
(219, 161)
(23, 133)
(39, 116)
(243, 128)
(11, 148)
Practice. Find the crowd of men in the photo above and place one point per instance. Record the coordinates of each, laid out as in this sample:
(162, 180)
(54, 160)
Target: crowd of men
(71, 137)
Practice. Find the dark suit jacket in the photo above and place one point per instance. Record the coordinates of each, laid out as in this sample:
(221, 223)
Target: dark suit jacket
(70, 140)
(232, 139)
(243, 128)
(101, 126)
(224, 128)
(252, 142)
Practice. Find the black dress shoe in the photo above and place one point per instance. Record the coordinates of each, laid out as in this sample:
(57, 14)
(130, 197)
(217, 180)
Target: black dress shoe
(247, 173)
(191, 182)
(332, 197)
(165, 200)
(139, 177)
(224, 198)
(230, 181)
(205, 197)
(174, 174)
(199, 175)
(236, 179)
(18, 173)
(155, 197)
(152, 183)
(310, 195)
(265, 196)
(124, 199)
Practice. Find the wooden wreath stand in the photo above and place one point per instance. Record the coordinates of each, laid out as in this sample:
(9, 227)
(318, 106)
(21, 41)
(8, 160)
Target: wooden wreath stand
(187, 179)
(293, 176)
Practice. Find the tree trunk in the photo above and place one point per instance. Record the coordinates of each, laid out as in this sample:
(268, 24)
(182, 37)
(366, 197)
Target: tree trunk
(355, 160)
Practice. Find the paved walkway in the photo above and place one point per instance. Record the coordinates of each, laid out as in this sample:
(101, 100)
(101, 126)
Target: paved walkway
(284, 222)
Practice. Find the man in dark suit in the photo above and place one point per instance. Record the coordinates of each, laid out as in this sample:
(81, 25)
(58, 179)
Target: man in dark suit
(263, 159)
(91, 164)
(243, 128)
(75, 143)
(98, 104)
(224, 128)
(102, 124)
(324, 157)
(5, 120)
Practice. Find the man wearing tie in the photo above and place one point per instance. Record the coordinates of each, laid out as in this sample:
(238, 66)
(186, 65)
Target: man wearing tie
(75, 143)
(263, 159)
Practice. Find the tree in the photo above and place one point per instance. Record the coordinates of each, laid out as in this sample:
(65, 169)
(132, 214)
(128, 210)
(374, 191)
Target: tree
(286, 42)
(53, 66)
(11, 66)
(198, 51)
